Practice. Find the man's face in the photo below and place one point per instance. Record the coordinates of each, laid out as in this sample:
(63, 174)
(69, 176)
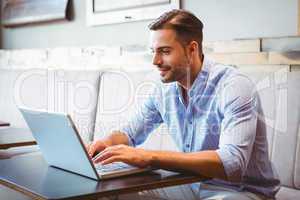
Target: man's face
(169, 56)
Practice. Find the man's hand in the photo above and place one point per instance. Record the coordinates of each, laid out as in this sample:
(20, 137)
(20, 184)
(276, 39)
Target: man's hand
(115, 138)
(96, 147)
(123, 153)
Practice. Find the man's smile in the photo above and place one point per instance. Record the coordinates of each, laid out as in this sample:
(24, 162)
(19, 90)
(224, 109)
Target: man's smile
(163, 70)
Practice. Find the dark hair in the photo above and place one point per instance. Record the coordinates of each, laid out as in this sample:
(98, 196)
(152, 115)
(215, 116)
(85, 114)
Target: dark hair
(186, 25)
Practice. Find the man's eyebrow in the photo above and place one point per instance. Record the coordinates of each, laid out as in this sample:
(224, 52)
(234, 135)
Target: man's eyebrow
(160, 48)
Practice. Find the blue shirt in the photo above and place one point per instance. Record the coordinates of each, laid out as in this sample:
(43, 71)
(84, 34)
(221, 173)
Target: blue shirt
(221, 115)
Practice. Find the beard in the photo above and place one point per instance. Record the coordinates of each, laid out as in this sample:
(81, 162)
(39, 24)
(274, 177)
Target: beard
(180, 73)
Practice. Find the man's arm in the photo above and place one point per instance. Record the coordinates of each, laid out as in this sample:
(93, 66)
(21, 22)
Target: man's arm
(135, 132)
(115, 148)
(206, 163)
(146, 118)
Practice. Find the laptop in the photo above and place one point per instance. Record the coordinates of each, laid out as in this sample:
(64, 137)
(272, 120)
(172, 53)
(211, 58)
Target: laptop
(62, 146)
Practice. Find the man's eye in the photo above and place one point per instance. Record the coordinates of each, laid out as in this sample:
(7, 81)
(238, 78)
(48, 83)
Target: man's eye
(165, 51)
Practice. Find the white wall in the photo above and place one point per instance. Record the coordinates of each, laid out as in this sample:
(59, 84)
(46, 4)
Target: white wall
(230, 19)
(223, 20)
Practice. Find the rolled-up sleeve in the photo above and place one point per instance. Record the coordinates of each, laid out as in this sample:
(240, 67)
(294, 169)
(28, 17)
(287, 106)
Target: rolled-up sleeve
(238, 101)
(144, 120)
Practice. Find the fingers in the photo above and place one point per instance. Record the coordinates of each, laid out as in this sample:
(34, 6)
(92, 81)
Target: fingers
(111, 160)
(94, 147)
(91, 150)
(124, 154)
(88, 148)
(107, 154)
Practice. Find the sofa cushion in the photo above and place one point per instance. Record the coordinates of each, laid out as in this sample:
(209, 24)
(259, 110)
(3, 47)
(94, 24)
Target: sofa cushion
(293, 125)
(120, 94)
(286, 193)
(72, 92)
(286, 136)
(28, 87)
(76, 93)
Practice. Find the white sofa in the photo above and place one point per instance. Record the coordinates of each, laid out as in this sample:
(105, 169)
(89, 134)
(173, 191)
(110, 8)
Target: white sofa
(102, 100)
(74, 92)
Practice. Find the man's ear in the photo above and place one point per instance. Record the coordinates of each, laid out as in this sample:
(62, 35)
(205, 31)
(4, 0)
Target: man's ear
(194, 48)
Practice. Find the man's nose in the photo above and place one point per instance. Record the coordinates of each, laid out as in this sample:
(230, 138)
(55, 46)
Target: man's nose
(156, 60)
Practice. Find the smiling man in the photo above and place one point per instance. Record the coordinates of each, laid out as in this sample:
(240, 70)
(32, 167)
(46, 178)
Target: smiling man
(212, 109)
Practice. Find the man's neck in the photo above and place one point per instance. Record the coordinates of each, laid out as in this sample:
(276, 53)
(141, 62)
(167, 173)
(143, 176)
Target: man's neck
(192, 74)
(190, 78)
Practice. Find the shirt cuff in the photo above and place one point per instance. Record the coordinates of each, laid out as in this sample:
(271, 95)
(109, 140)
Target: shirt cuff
(231, 164)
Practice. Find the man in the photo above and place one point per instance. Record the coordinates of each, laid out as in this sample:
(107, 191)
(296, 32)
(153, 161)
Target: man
(213, 109)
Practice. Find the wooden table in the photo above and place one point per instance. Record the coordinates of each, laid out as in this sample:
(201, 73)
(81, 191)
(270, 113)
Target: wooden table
(31, 175)
(2, 123)
(15, 137)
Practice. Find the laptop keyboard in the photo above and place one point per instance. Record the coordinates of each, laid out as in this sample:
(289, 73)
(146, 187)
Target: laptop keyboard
(112, 167)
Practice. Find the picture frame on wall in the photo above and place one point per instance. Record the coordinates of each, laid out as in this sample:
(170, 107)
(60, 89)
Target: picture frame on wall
(23, 12)
(101, 12)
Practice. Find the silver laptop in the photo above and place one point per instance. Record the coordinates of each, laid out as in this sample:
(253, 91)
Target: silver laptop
(62, 147)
